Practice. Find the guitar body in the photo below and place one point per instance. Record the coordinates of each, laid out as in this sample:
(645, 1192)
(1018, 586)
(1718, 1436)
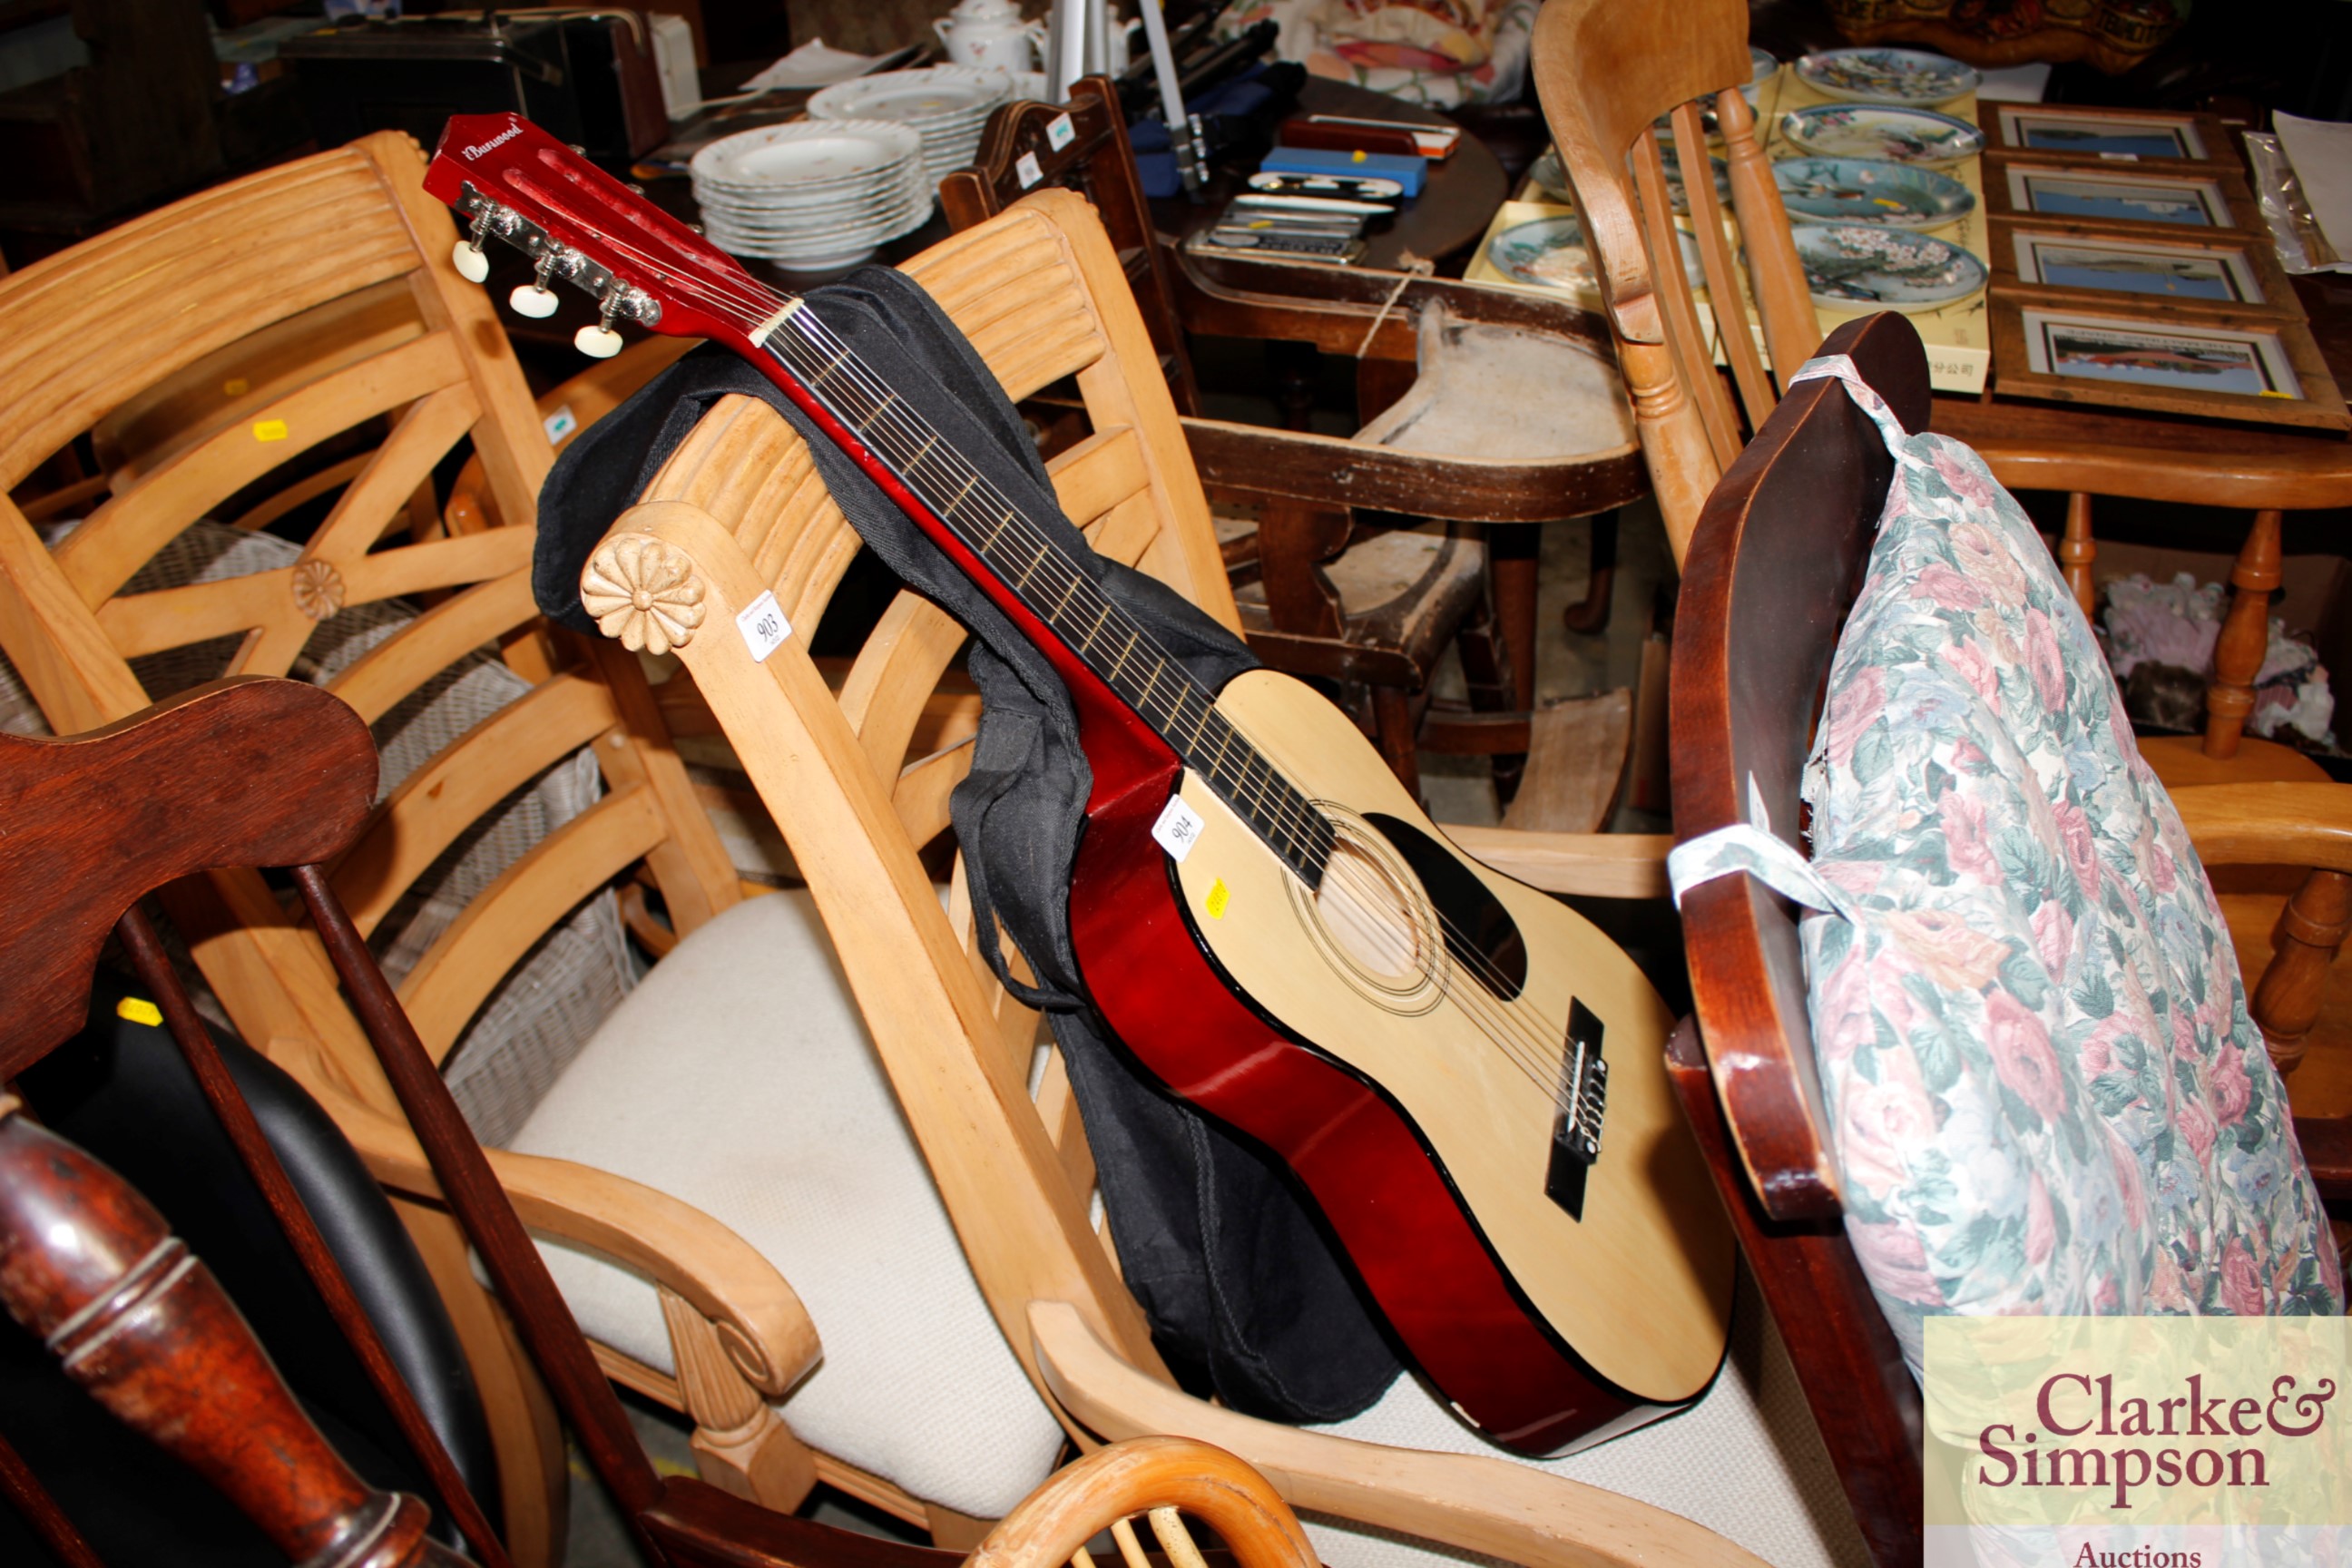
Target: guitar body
(1391, 1103)
(1468, 1078)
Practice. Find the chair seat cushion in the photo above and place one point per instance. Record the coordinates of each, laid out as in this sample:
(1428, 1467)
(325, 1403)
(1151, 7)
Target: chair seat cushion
(1745, 1461)
(737, 1077)
(1502, 394)
(2044, 1091)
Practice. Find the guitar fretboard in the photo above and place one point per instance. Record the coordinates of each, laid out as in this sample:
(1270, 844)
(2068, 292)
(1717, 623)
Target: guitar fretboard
(1059, 592)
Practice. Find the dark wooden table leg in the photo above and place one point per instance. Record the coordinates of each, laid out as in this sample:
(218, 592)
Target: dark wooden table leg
(1591, 618)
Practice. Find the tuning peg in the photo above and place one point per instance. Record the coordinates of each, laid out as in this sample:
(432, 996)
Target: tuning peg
(471, 264)
(535, 298)
(601, 342)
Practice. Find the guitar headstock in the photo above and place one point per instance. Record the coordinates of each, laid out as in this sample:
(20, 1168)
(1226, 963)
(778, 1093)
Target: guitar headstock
(510, 181)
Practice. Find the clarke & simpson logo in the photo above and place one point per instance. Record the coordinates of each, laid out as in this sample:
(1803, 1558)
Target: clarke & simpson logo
(2137, 1442)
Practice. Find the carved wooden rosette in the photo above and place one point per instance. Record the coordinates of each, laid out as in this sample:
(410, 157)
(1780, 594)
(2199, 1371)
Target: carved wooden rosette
(90, 1267)
(642, 592)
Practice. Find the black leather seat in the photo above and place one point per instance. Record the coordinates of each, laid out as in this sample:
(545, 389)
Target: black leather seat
(122, 1089)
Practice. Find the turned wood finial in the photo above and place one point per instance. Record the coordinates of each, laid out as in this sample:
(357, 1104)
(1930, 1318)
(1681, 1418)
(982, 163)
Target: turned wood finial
(643, 593)
(86, 1264)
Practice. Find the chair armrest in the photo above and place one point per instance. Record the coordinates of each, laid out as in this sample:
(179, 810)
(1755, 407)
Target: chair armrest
(1602, 865)
(767, 1333)
(2269, 824)
(1331, 471)
(1479, 1504)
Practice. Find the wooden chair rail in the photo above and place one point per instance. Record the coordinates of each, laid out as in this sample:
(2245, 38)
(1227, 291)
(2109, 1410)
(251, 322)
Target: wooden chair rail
(1331, 471)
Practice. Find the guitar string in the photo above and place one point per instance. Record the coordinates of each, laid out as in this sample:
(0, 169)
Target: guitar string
(1530, 1052)
(885, 427)
(1505, 1023)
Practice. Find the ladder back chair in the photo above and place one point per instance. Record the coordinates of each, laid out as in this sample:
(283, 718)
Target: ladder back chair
(1324, 596)
(350, 318)
(857, 781)
(273, 772)
(1773, 572)
(1605, 75)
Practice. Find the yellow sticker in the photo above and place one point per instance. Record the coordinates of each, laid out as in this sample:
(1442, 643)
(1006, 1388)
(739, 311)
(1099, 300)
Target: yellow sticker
(1359, 157)
(139, 1011)
(235, 386)
(269, 430)
(1215, 902)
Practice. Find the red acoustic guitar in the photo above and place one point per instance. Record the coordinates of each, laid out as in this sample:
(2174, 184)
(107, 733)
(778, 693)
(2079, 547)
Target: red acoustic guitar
(1467, 1075)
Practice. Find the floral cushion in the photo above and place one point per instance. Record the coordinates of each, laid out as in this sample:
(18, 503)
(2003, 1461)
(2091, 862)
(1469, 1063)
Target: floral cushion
(2044, 1091)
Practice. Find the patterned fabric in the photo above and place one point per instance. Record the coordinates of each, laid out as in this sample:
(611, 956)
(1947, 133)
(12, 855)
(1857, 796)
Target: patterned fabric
(2044, 1091)
(1440, 53)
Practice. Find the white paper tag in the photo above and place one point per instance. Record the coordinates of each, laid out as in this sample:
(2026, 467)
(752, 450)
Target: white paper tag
(1029, 169)
(1060, 132)
(1177, 829)
(763, 626)
(560, 423)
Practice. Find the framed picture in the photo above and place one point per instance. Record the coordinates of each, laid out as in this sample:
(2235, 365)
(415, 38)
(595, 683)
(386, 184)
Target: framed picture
(2268, 370)
(2227, 275)
(2213, 200)
(2107, 135)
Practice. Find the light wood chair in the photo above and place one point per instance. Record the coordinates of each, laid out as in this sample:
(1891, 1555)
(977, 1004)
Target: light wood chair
(1605, 74)
(857, 781)
(1770, 578)
(325, 305)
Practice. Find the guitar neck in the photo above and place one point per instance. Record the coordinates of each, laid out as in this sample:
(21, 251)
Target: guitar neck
(1022, 557)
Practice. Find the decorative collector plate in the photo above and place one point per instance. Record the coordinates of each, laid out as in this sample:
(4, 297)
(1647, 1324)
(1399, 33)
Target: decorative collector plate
(1852, 267)
(1881, 131)
(1550, 252)
(1871, 191)
(1886, 76)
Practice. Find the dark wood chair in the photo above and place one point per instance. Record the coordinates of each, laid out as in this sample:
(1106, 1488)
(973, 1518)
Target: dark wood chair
(1773, 568)
(1324, 612)
(260, 771)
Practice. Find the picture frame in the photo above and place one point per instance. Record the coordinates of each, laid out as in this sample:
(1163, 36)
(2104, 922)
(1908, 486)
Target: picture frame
(2263, 370)
(2204, 201)
(2118, 138)
(2218, 276)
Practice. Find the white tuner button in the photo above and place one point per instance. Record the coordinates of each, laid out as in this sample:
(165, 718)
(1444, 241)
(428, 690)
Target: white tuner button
(471, 264)
(530, 300)
(597, 342)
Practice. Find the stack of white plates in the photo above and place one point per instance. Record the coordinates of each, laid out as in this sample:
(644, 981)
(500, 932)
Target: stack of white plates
(814, 194)
(948, 105)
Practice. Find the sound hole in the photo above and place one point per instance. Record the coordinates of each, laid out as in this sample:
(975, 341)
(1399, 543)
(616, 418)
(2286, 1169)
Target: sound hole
(1479, 931)
(1371, 919)
(1368, 919)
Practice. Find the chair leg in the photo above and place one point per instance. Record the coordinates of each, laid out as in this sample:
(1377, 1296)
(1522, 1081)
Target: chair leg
(1392, 732)
(1512, 556)
(2076, 550)
(2245, 639)
(740, 1445)
(2310, 930)
(1591, 618)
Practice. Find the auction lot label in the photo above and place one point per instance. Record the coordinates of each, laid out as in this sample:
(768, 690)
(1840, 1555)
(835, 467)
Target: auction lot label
(2138, 1442)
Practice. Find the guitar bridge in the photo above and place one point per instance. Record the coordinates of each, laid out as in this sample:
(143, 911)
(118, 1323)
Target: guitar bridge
(1583, 1101)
